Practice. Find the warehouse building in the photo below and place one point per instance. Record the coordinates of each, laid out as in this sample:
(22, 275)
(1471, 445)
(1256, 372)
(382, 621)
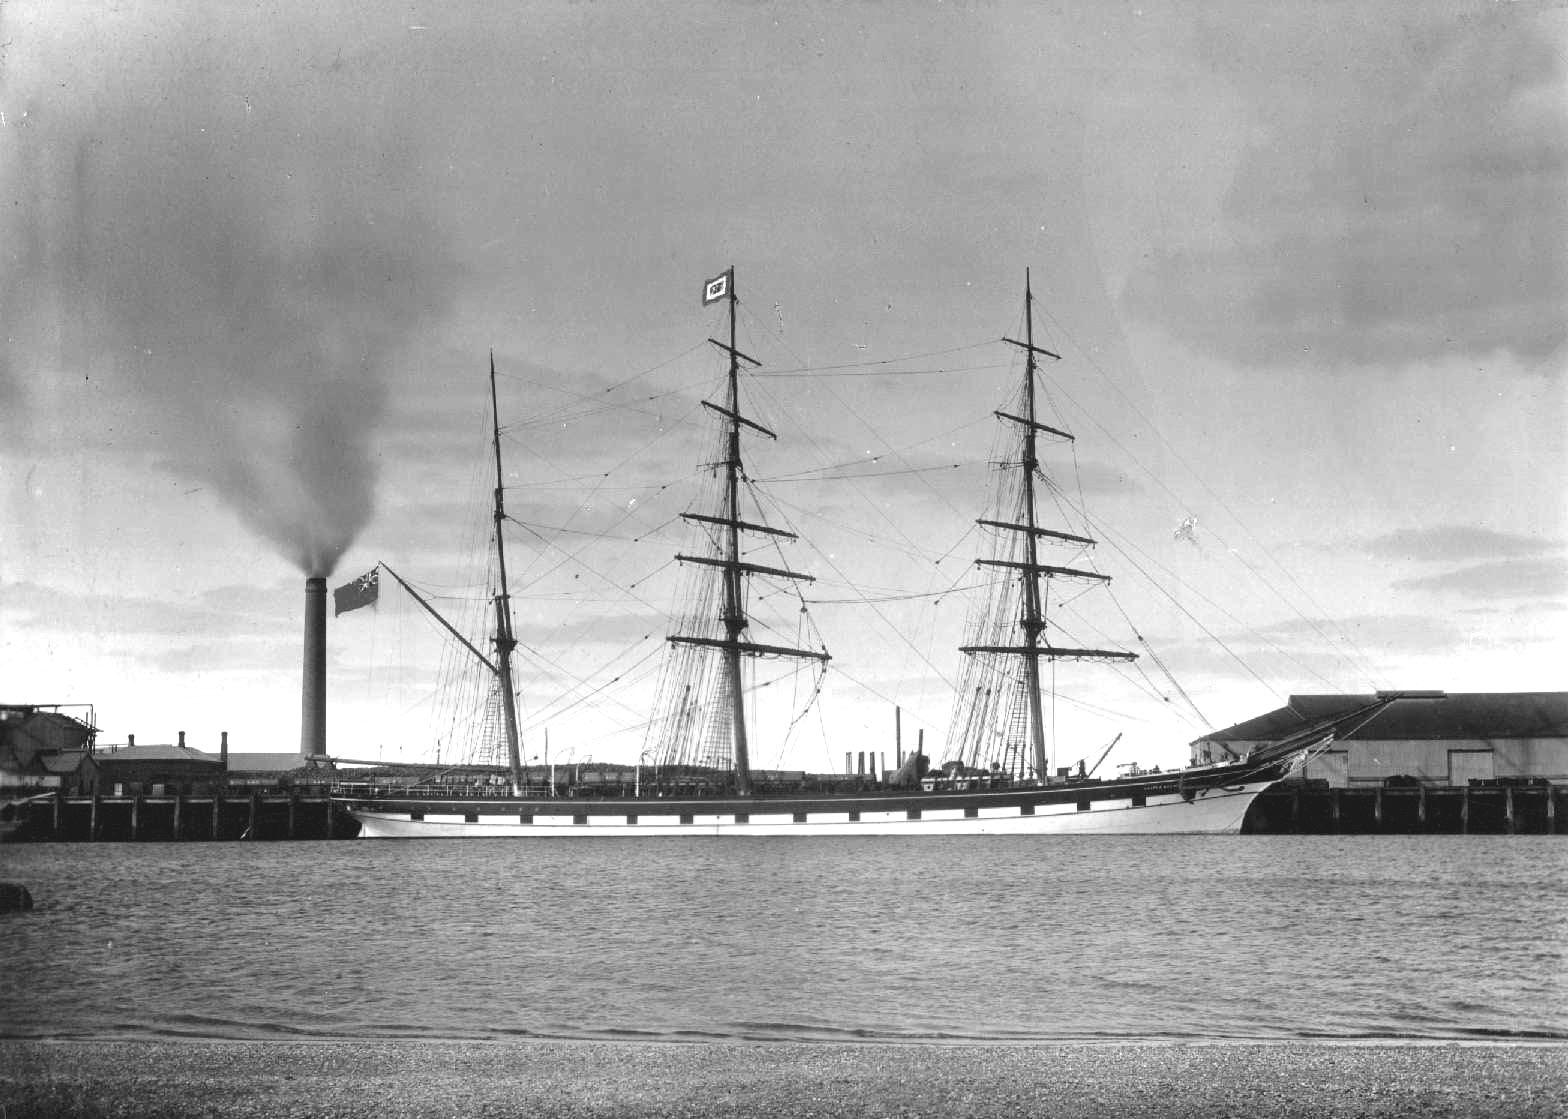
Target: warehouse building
(43, 749)
(1432, 739)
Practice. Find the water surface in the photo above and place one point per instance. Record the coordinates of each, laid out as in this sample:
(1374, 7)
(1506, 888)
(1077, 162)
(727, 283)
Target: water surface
(976, 938)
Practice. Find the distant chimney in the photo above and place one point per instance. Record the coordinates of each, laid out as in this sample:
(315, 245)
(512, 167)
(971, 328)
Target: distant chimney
(182, 740)
(223, 751)
(130, 740)
(313, 706)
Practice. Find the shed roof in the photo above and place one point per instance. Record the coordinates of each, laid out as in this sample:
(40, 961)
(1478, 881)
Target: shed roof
(266, 763)
(1420, 715)
(64, 761)
(155, 752)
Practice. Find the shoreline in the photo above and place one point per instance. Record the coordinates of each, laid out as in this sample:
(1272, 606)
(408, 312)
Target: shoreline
(694, 1079)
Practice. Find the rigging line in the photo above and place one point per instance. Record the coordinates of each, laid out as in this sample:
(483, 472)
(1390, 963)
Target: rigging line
(900, 451)
(565, 416)
(897, 631)
(550, 710)
(1366, 665)
(1104, 530)
(1108, 534)
(810, 369)
(1335, 641)
(572, 557)
(594, 492)
(869, 427)
(957, 543)
(813, 375)
(913, 553)
(554, 709)
(801, 477)
(1151, 689)
(758, 496)
(903, 705)
(1153, 654)
(566, 413)
(587, 532)
(875, 506)
(863, 599)
(1145, 683)
(634, 377)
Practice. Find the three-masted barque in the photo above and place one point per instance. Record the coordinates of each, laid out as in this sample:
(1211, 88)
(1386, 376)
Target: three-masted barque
(998, 782)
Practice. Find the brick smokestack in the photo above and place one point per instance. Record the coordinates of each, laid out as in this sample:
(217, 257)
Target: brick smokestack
(313, 711)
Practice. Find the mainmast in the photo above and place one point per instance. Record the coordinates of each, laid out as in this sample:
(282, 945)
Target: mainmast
(1032, 621)
(504, 641)
(733, 607)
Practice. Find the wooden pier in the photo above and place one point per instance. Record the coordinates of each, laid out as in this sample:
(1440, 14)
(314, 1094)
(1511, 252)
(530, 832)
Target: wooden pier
(169, 818)
(1286, 809)
(1496, 809)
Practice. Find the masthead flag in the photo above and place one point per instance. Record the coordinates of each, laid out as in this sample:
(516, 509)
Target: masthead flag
(719, 287)
(361, 592)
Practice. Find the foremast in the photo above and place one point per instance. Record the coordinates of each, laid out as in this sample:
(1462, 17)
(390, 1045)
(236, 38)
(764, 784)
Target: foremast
(735, 570)
(1032, 621)
(505, 642)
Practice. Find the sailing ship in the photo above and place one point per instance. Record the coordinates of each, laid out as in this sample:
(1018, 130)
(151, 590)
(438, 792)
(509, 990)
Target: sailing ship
(702, 782)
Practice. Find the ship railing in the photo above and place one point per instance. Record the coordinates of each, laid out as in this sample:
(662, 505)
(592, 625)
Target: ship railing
(354, 790)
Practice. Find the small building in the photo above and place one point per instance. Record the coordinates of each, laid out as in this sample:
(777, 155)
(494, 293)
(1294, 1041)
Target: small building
(157, 768)
(43, 749)
(1435, 739)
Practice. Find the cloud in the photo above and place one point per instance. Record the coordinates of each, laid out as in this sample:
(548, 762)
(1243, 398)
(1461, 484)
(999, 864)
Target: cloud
(1509, 578)
(1402, 196)
(1387, 633)
(230, 611)
(1455, 542)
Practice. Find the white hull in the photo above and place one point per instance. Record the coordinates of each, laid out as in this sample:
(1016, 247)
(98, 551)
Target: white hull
(1215, 811)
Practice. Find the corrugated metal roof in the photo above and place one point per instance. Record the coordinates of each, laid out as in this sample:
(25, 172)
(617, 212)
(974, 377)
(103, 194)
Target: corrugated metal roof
(1454, 715)
(265, 763)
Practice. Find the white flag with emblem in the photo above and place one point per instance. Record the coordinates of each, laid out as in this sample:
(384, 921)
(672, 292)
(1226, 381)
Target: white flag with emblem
(718, 287)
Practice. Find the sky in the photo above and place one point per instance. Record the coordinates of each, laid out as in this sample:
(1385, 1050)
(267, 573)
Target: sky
(1305, 267)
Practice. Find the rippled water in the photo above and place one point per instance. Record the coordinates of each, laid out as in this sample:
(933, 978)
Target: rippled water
(975, 938)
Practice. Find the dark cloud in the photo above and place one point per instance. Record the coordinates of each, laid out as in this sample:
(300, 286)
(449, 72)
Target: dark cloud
(1455, 542)
(1404, 199)
(1509, 578)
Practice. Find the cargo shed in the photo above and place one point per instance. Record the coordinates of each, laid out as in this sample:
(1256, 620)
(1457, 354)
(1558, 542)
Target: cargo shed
(1429, 738)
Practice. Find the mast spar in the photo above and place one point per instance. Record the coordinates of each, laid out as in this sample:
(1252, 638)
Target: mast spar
(1032, 620)
(735, 570)
(505, 642)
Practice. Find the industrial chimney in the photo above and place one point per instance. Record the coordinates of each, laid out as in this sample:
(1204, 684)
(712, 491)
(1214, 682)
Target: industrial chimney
(313, 712)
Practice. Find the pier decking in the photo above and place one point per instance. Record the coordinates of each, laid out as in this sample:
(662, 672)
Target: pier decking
(213, 816)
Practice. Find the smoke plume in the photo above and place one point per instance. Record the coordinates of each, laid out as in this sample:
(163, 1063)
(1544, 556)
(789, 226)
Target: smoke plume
(205, 265)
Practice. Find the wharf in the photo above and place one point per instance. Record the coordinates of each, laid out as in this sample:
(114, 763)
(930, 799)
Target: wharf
(174, 817)
(1285, 809)
(1297, 808)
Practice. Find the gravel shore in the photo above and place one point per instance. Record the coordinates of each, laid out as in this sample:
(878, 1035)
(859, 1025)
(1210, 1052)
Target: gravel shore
(576, 1078)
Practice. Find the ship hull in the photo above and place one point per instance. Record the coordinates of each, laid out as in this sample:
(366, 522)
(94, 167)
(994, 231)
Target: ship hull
(1215, 804)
